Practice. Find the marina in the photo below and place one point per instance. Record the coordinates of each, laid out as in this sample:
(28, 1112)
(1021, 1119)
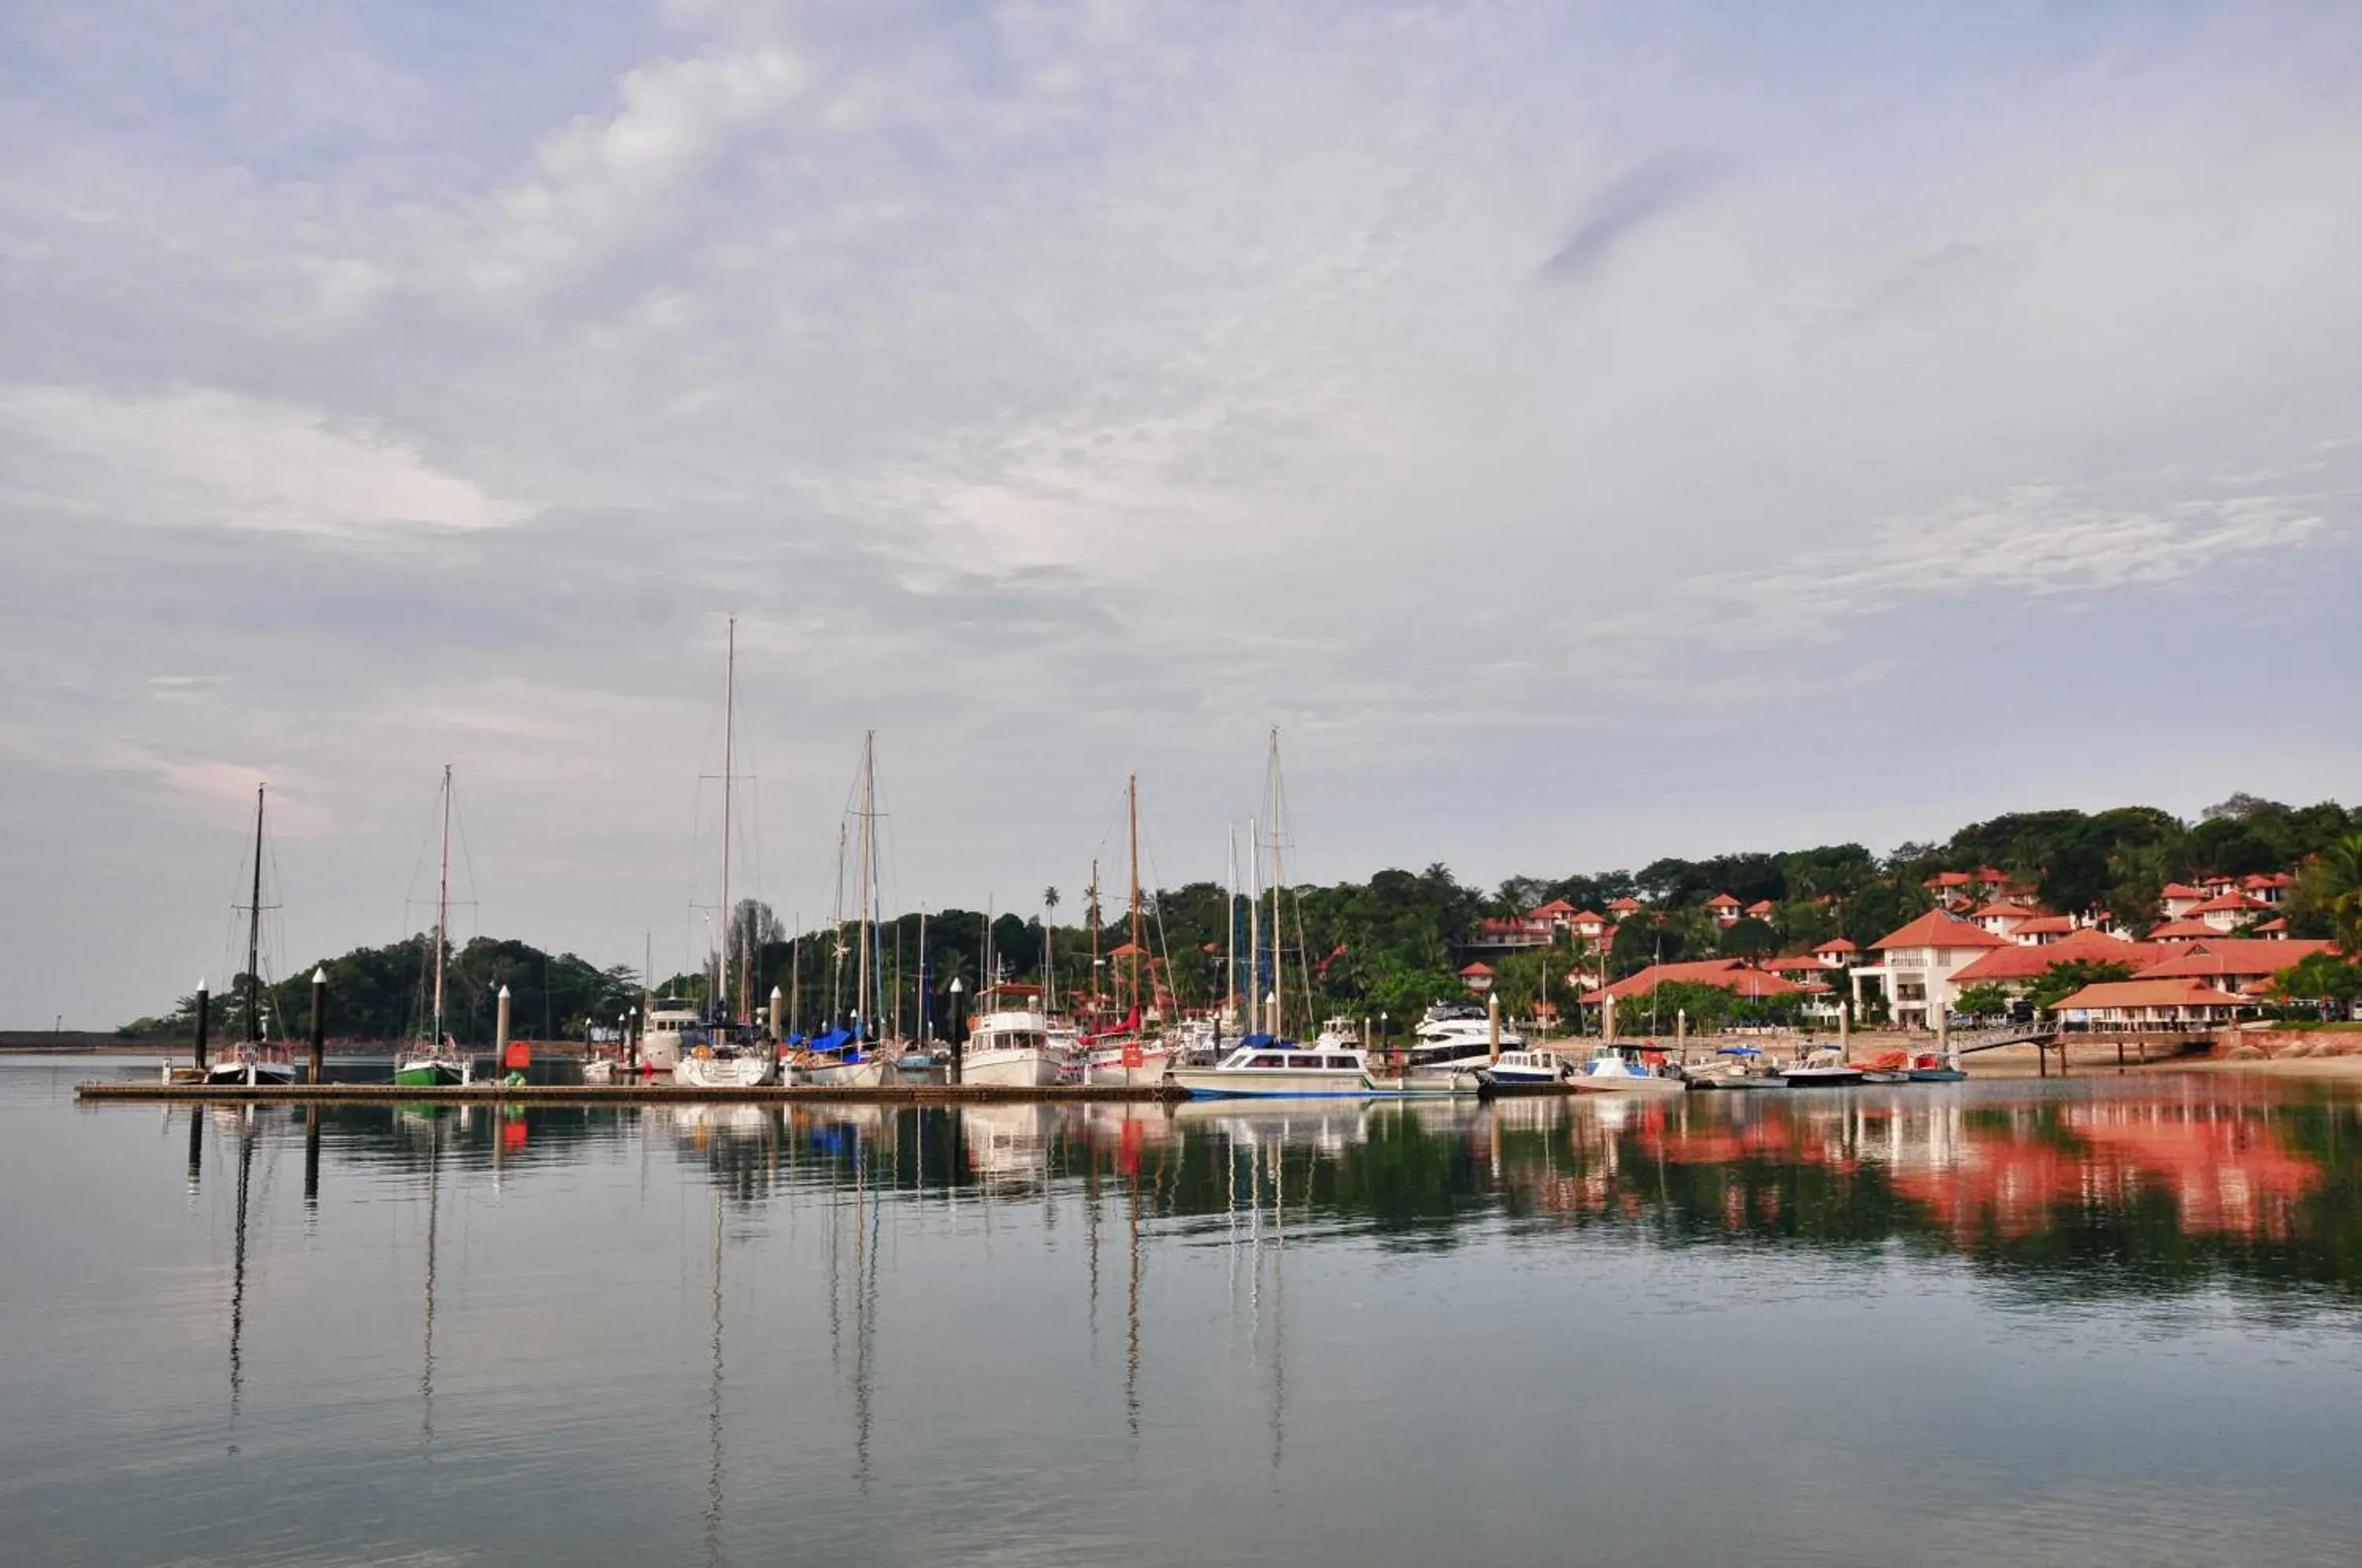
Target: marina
(715, 1330)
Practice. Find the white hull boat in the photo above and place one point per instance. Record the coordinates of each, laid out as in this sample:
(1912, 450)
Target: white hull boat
(868, 1073)
(749, 1069)
(1272, 1070)
(1610, 1072)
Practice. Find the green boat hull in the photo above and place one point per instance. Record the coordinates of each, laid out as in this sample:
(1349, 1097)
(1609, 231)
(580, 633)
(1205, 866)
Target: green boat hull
(427, 1076)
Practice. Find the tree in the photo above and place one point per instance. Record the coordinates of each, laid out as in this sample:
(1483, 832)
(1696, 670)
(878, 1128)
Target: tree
(2331, 887)
(1749, 938)
(2327, 980)
(2064, 978)
(1986, 1000)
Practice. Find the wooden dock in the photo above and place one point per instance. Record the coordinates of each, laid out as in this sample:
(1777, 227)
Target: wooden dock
(605, 1094)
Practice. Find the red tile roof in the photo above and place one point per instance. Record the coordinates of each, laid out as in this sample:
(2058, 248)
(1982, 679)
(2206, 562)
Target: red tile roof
(2231, 955)
(2016, 962)
(1837, 945)
(2227, 901)
(1722, 902)
(1947, 880)
(1937, 929)
(1729, 974)
(2180, 890)
(1799, 961)
(2182, 929)
(2005, 909)
(2148, 991)
(1476, 969)
(1555, 906)
(1586, 917)
(1626, 904)
(2270, 879)
(2046, 925)
(1763, 907)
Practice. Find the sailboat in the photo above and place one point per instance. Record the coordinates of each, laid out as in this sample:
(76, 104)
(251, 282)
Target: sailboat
(1128, 1054)
(251, 1062)
(853, 1056)
(725, 1052)
(437, 1061)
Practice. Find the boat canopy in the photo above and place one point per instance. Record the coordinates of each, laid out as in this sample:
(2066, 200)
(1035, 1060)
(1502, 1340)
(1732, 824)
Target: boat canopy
(835, 1040)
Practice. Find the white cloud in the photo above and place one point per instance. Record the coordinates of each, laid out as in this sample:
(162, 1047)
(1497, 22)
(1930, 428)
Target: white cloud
(200, 457)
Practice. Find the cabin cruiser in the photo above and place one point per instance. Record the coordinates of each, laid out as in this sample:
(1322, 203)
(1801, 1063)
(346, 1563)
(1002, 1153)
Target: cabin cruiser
(1010, 1045)
(1266, 1067)
(721, 1055)
(1609, 1071)
(1525, 1070)
(668, 1024)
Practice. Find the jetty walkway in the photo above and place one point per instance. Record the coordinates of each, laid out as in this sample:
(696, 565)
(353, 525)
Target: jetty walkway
(604, 1094)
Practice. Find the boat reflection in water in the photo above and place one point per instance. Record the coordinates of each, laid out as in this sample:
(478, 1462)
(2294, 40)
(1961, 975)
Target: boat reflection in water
(1003, 1328)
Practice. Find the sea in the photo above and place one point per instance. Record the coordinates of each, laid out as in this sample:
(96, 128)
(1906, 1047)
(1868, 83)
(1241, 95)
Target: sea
(2111, 1319)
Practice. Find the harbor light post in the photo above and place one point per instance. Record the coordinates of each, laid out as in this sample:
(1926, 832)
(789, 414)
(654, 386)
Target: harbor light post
(319, 1022)
(204, 1011)
(959, 1035)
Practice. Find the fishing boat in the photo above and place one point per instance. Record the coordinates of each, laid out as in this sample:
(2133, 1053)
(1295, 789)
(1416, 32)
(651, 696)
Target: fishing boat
(437, 1061)
(1609, 1070)
(1824, 1068)
(253, 1061)
(1264, 1067)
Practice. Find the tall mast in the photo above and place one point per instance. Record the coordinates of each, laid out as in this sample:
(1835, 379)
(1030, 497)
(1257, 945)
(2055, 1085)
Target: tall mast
(925, 1011)
(1092, 908)
(443, 905)
(1278, 876)
(863, 1007)
(254, 934)
(729, 766)
(836, 942)
(1255, 925)
(1231, 930)
(1131, 804)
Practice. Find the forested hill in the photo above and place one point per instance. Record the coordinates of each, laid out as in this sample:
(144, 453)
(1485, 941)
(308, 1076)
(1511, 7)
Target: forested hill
(1393, 943)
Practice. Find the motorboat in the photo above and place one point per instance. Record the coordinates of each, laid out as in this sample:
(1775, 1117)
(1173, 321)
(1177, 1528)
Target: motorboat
(668, 1024)
(1824, 1068)
(1610, 1071)
(1133, 1062)
(1263, 1066)
(1931, 1068)
(1010, 1043)
(1525, 1070)
(1732, 1067)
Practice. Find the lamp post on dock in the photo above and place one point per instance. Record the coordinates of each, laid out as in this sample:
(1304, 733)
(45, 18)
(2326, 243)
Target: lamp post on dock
(959, 1037)
(319, 1022)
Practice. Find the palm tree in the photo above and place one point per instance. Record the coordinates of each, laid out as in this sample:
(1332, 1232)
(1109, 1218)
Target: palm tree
(2339, 883)
(1049, 913)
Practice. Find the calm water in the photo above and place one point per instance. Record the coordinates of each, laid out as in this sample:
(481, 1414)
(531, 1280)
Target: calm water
(2117, 1321)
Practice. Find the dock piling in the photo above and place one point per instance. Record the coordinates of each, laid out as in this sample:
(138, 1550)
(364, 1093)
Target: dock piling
(319, 1023)
(205, 1018)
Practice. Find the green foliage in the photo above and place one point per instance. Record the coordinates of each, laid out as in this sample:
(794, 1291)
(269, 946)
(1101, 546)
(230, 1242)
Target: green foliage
(1985, 1000)
(2327, 980)
(1749, 938)
(2329, 894)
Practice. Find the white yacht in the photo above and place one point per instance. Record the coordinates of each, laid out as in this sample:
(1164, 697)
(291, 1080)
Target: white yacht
(1137, 1061)
(1262, 1067)
(668, 1024)
(1526, 1070)
(1451, 1045)
(1824, 1067)
(1009, 1044)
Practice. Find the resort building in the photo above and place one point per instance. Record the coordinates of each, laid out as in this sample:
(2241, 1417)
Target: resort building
(2234, 962)
(1735, 975)
(2149, 1002)
(1837, 952)
(2227, 911)
(1477, 978)
(1724, 907)
(1917, 964)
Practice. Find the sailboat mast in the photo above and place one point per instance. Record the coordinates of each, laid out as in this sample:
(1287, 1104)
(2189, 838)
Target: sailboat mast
(1091, 907)
(1255, 925)
(254, 933)
(443, 905)
(862, 1006)
(1231, 929)
(1131, 806)
(1278, 877)
(729, 767)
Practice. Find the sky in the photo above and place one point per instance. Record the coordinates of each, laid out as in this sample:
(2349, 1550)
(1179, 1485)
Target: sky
(1586, 432)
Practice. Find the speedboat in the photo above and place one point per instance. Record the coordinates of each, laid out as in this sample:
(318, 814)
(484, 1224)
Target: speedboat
(1010, 1045)
(1262, 1067)
(1609, 1071)
(1732, 1067)
(1525, 1070)
(1825, 1067)
(1928, 1067)
(1453, 1045)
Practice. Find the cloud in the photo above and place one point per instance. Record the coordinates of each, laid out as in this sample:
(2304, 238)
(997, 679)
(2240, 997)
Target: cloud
(200, 457)
(603, 177)
(1619, 210)
(2035, 542)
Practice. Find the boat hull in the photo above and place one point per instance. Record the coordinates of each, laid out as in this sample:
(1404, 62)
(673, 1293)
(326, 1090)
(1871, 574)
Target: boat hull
(869, 1074)
(1822, 1077)
(1617, 1084)
(430, 1075)
(1009, 1070)
(724, 1072)
(1115, 1075)
(1300, 1083)
(1936, 1075)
